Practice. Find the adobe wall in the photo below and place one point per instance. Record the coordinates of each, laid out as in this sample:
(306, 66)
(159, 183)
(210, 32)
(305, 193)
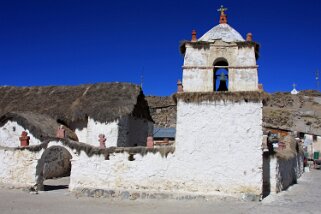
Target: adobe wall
(224, 140)
(18, 167)
(10, 133)
(28, 167)
(208, 158)
(110, 130)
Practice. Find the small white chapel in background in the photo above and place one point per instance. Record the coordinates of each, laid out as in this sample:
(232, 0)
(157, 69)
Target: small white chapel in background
(294, 91)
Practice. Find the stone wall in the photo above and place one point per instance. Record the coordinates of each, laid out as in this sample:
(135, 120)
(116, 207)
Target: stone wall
(10, 133)
(162, 110)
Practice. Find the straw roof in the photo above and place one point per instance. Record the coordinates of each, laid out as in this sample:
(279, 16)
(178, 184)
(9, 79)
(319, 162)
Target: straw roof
(104, 102)
(41, 126)
(240, 96)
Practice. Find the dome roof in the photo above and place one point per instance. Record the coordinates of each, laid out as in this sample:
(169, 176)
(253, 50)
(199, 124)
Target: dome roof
(223, 32)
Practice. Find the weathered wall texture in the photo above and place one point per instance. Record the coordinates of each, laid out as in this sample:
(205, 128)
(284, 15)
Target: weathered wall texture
(81, 134)
(198, 71)
(227, 137)
(29, 168)
(10, 133)
(279, 173)
(110, 130)
(220, 159)
(127, 131)
(18, 167)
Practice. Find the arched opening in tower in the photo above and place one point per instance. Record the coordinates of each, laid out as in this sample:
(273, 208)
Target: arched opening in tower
(221, 75)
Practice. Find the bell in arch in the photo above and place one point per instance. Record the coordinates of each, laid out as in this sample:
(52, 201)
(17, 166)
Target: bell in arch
(222, 86)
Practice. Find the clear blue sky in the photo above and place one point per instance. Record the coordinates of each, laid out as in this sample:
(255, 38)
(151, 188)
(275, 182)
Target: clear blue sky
(70, 42)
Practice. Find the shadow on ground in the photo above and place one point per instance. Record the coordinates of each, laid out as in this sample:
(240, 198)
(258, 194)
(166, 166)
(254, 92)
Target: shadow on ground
(54, 187)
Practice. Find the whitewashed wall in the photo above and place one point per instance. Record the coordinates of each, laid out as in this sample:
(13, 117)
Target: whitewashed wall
(18, 167)
(10, 133)
(218, 148)
(81, 134)
(110, 130)
(223, 140)
(198, 78)
(24, 168)
(128, 131)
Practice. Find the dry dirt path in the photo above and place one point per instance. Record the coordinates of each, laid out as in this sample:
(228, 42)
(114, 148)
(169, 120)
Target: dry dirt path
(301, 198)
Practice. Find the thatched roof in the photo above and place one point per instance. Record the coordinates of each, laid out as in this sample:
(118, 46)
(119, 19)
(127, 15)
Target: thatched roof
(39, 125)
(240, 96)
(292, 148)
(103, 102)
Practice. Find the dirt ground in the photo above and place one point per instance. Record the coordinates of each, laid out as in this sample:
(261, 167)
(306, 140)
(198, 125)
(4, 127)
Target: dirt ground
(301, 198)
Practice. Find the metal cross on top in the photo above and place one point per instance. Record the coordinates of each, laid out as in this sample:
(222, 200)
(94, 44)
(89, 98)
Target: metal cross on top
(222, 9)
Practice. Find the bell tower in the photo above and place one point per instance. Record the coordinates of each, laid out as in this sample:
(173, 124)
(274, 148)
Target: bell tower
(219, 110)
(221, 49)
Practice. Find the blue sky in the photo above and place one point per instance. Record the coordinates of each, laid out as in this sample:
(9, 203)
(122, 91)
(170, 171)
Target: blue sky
(71, 42)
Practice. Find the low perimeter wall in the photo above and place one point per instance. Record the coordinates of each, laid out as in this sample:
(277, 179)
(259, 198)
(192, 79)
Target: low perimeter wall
(280, 173)
(29, 166)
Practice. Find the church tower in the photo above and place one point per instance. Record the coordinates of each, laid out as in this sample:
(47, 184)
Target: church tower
(219, 109)
(221, 49)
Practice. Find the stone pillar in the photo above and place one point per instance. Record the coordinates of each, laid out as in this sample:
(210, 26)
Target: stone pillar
(150, 142)
(24, 139)
(102, 141)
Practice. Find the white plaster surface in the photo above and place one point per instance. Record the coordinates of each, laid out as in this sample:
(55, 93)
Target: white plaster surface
(18, 167)
(81, 134)
(224, 32)
(198, 80)
(10, 133)
(24, 168)
(110, 130)
(198, 74)
(243, 80)
(209, 156)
